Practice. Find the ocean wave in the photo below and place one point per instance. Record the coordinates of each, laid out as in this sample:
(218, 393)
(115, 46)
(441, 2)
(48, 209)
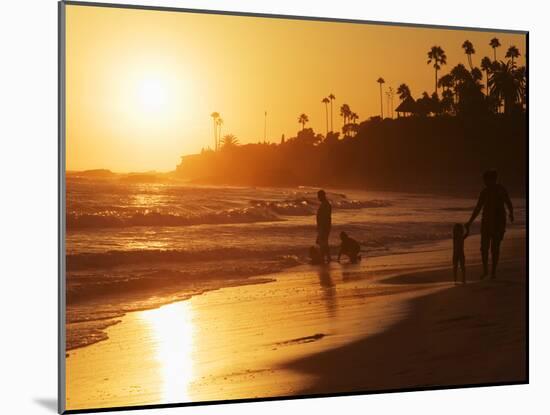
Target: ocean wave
(362, 204)
(258, 211)
(300, 238)
(306, 206)
(118, 219)
(109, 259)
(129, 277)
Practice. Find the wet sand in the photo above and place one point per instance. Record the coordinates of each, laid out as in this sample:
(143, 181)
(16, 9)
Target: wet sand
(393, 321)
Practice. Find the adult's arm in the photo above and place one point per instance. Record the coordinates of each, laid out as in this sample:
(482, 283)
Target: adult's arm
(477, 209)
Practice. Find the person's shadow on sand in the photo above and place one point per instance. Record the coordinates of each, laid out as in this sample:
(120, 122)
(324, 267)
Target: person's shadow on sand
(351, 272)
(329, 289)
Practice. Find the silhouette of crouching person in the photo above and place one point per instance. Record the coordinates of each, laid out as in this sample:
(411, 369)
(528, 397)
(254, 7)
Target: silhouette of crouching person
(349, 247)
(324, 223)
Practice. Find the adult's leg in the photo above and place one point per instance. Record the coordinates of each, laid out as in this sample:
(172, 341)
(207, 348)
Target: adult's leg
(485, 242)
(463, 268)
(495, 253)
(455, 267)
(323, 245)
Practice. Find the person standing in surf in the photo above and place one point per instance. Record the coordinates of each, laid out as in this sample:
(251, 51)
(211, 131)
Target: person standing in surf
(493, 199)
(324, 223)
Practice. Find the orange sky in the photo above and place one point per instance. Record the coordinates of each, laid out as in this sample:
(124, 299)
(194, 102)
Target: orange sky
(141, 84)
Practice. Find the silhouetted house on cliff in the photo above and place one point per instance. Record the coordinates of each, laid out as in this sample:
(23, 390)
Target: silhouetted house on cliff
(406, 108)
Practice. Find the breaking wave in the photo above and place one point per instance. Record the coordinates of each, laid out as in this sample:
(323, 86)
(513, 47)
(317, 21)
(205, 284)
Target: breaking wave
(257, 211)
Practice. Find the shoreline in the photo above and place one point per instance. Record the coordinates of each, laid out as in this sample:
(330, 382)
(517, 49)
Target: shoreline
(165, 296)
(464, 336)
(315, 315)
(141, 301)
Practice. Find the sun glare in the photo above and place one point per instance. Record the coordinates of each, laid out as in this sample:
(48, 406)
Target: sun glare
(172, 332)
(152, 94)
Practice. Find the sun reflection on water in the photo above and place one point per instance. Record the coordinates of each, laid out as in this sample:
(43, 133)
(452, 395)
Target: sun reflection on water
(172, 336)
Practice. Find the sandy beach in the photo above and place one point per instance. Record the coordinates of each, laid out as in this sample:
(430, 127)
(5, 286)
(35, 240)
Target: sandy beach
(386, 323)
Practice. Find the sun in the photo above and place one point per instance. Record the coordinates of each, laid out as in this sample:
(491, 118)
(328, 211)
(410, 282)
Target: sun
(152, 94)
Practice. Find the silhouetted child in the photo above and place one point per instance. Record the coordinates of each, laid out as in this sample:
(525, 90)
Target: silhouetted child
(349, 247)
(315, 255)
(458, 250)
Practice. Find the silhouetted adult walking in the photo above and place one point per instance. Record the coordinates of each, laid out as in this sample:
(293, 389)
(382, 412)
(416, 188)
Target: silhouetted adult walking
(324, 222)
(492, 199)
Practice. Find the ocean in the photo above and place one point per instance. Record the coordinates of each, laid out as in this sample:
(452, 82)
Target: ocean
(133, 246)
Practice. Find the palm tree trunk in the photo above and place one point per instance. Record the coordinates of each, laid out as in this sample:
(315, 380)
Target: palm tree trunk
(326, 116)
(331, 118)
(495, 54)
(381, 104)
(436, 81)
(215, 136)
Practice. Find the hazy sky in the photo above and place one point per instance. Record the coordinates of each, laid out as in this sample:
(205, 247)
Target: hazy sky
(141, 84)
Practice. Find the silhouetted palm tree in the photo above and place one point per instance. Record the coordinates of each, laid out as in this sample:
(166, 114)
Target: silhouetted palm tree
(380, 82)
(228, 141)
(494, 43)
(436, 106)
(521, 76)
(215, 116)
(469, 51)
(403, 91)
(447, 100)
(345, 112)
(390, 95)
(486, 65)
(512, 53)
(446, 82)
(353, 117)
(460, 75)
(349, 130)
(437, 55)
(332, 98)
(219, 123)
(303, 119)
(477, 76)
(326, 102)
(424, 105)
(506, 85)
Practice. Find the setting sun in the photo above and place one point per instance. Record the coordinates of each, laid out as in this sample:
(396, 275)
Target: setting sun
(152, 95)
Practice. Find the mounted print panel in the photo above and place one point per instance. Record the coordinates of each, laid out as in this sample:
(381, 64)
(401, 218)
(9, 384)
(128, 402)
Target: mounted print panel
(257, 207)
